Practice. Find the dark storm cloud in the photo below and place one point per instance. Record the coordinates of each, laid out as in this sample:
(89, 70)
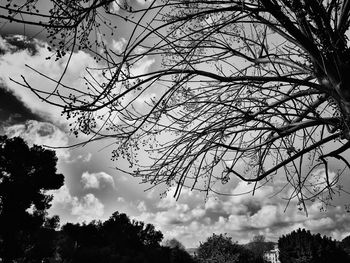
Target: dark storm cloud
(15, 43)
(252, 207)
(12, 110)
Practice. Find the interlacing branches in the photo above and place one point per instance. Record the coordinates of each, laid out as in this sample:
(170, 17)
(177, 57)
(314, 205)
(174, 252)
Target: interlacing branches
(249, 89)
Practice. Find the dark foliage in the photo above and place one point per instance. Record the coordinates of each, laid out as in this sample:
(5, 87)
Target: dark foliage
(174, 243)
(118, 239)
(345, 244)
(259, 246)
(26, 173)
(304, 247)
(221, 249)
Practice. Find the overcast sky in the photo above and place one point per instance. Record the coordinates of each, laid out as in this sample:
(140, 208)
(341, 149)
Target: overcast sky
(93, 189)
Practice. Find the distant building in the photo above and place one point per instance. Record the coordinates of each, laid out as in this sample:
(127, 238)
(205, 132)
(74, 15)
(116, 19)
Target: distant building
(272, 255)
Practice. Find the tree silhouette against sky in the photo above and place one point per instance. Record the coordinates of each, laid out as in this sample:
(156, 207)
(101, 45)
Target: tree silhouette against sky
(252, 89)
(26, 173)
(302, 246)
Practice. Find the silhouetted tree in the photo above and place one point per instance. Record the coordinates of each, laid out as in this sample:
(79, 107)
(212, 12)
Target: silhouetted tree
(177, 251)
(26, 173)
(304, 247)
(221, 249)
(345, 244)
(134, 233)
(174, 243)
(118, 239)
(263, 83)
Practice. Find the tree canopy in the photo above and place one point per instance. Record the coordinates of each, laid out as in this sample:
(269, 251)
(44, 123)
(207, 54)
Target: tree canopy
(26, 173)
(259, 246)
(248, 88)
(221, 249)
(302, 246)
(345, 244)
(174, 243)
(118, 239)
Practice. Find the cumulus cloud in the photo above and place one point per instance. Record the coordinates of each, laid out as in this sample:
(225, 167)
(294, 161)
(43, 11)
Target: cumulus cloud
(97, 180)
(41, 133)
(12, 65)
(243, 192)
(191, 220)
(86, 208)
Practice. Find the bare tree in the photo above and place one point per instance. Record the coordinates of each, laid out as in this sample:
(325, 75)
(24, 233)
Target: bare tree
(252, 89)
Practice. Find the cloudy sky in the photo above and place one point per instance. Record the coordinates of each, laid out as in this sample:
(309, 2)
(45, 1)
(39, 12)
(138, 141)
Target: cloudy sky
(93, 188)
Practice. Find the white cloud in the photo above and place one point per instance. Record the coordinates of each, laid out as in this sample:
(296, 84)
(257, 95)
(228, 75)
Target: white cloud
(12, 65)
(142, 66)
(244, 192)
(320, 224)
(198, 212)
(86, 208)
(213, 203)
(97, 180)
(5, 46)
(61, 196)
(265, 217)
(191, 220)
(41, 133)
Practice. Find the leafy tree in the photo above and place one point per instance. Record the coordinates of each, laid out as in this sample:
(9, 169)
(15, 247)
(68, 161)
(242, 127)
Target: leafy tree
(131, 232)
(179, 256)
(345, 244)
(26, 173)
(302, 246)
(174, 243)
(221, 249)
(177, 251)
(118, 239)
(262, 83)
